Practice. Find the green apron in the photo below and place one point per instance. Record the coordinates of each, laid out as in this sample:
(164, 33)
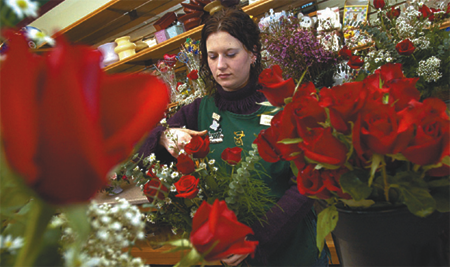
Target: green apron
(300, 249)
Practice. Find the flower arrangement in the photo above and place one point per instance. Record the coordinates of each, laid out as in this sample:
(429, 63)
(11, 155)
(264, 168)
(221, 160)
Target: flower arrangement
(297, 49)
(413, 38)
(178, 192)
(361, 145)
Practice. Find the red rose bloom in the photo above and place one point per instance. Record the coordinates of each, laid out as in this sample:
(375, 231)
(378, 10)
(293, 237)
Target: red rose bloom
(198, 147)
(379, 4)
(185, 164)
(216, 230)
(405, 47)
(345, 53)
(154, 188)
(355, 62)
(343, 102)
(393, 13)
(187, 186)
(274, 88)
(321, 183)
(321, 146)
(304, 113)
(377, 131)
(65, 123)
(267, 145)
(232, 155)
(426, 12)
(430, 143)
(193, 75)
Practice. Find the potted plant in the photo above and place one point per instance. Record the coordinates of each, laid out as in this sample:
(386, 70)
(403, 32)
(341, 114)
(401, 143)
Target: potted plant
(372, 152)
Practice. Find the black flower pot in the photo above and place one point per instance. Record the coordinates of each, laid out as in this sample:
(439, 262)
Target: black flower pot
(392, 237)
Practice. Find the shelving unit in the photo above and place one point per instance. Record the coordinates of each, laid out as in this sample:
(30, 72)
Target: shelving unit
(148, 56)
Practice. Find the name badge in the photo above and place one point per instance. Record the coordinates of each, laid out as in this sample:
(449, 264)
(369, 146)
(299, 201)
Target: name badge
(265, 119)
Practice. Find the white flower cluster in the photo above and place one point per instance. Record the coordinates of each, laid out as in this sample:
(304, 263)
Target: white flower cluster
(113, 228)
(379, 57)
(421, 42)
(429, 69)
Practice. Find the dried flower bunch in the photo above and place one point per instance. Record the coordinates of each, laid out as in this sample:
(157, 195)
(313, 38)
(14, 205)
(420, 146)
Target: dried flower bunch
(296, 49)
(412, 37)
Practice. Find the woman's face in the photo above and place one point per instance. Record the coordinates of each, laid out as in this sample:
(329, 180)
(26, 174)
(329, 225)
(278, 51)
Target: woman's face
(228, 60)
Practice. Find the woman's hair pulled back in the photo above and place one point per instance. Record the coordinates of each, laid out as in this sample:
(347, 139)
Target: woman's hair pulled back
(239, 25)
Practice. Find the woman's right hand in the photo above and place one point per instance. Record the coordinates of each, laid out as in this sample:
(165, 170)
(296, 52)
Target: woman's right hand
(182, 137)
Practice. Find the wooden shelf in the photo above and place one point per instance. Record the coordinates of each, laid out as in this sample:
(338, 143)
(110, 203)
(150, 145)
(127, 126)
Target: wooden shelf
(148, 56)
(115, 17)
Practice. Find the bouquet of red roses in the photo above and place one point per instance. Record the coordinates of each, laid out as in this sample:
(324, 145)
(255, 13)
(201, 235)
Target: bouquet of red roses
(362, 144)
(196, 196)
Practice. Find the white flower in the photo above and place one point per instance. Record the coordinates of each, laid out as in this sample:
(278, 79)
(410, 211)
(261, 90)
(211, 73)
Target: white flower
(115, 226)
(211, 161)
(173, 188)
(11, 244)
(175, 174)
(193, 213)
(39, 36)
(163, 121)
(102, 235)
(202, 165)
(23, 7)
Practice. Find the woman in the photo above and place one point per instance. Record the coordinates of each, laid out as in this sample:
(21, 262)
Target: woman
(231, 63)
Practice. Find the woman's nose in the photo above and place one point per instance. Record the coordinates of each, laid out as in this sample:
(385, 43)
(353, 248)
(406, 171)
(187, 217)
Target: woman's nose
(221, 63)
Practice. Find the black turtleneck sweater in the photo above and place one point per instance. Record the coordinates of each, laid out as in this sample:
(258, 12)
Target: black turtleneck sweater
(291, 208)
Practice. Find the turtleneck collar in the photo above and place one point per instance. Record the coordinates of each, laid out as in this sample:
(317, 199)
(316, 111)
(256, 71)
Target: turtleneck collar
(242, 101)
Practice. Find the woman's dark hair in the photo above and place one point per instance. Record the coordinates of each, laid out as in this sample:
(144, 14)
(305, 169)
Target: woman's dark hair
(239, 25)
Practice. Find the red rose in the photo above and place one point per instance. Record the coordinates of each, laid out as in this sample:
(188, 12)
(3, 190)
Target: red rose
(193, 75)
(402, 91)
(185, 164)
(345, 53)
(304, 113)
(274, 88)
(393, 13)
(379, 4)
(267, 145)
(198, 147)
(377, 131)
(310, 183)
(154, 188)
(216, 231)
(187, 186)
(355, 62)
(232, 155)
(320, 183)
(426, 12)
(405, 47)
(61, 127)
(321, 146)
(430, 143)
(343, 102)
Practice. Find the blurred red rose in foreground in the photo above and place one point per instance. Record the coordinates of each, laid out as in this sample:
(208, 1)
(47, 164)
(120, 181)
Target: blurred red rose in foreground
(65, 123)
(217, 232)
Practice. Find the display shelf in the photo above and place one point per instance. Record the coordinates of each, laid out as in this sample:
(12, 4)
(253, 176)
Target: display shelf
(114, 18)
(148, 56)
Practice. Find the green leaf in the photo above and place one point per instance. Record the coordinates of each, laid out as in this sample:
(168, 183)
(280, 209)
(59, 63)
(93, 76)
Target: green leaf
(294, 168)
(265, 103)
(289, 141)
(418, 200)
(326, 222)
(376, 160)
(446, 160)
(441, 196)
(179, 243)
(355, 183)
(79, 221)
(365, 203)
(192, 258)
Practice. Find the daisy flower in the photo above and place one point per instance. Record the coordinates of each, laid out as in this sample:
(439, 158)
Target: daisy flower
(23, 7)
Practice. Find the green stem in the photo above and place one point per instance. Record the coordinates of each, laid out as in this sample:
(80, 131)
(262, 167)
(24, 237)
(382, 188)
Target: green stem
(40, 215)
(386, 183)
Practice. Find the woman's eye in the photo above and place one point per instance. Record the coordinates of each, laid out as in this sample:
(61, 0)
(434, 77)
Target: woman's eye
(231, 55)
(212, 57)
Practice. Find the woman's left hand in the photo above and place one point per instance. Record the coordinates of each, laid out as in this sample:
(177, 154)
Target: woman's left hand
(235, 259)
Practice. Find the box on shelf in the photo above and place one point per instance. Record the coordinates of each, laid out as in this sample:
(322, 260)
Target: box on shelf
(151, 42)
(174, 30)
(165, 21)
(161, 36)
